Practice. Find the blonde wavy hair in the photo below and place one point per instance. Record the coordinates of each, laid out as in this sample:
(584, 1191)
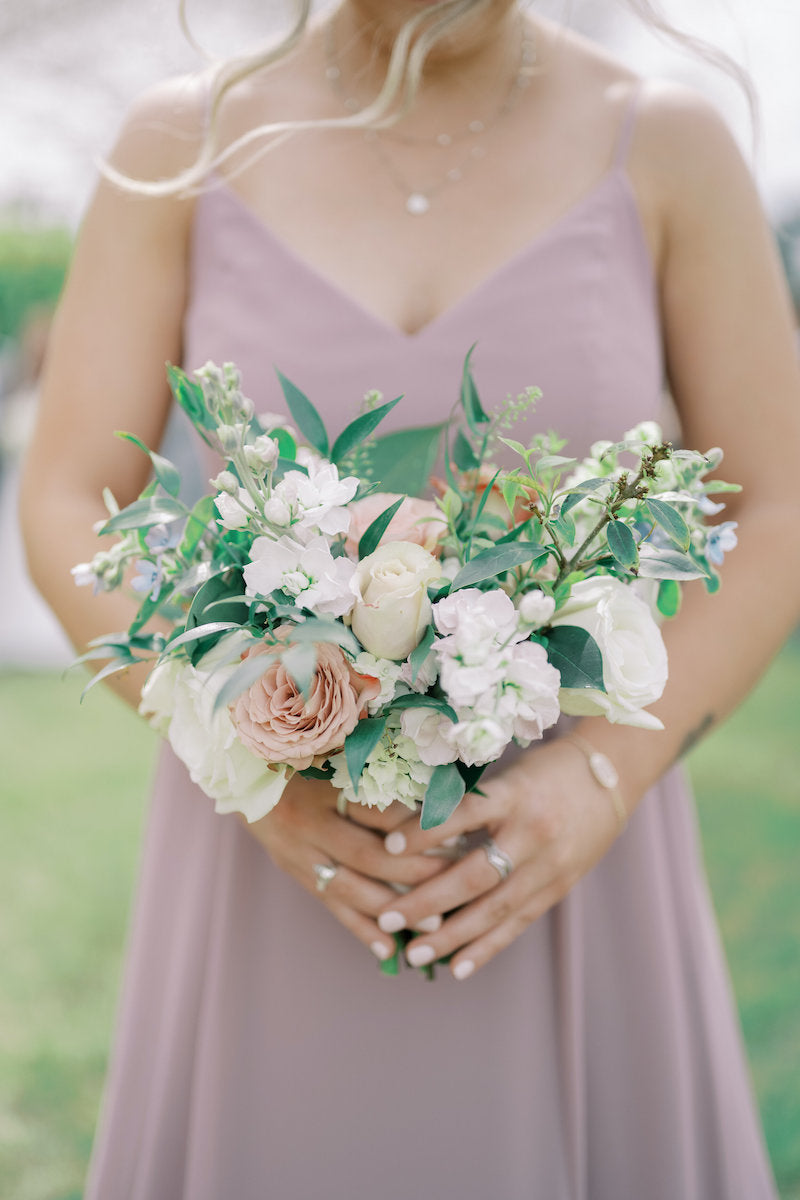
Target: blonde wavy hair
(411, 47)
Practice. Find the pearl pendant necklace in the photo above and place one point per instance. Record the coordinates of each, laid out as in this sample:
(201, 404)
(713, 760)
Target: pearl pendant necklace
(417, 200)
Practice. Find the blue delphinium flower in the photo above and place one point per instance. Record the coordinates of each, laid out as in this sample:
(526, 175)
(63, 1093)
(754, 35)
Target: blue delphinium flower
(721, 539)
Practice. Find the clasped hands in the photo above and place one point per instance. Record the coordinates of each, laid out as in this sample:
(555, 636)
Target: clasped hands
(545, 811)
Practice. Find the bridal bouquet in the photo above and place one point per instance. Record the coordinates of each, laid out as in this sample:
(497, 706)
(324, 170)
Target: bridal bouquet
(307, 620)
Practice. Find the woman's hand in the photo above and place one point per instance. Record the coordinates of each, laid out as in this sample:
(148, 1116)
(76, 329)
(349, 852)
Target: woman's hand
(552, 819)
(305, 829)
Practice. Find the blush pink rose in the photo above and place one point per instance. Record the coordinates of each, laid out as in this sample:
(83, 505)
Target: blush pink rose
(273, 721)
(418, 521)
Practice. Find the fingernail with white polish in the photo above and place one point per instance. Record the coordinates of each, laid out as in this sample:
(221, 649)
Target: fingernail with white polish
(391, 922)
(395, 843)
(429, 924)
(420, 956)
(464, 969)
(380, 951)
(452, 841)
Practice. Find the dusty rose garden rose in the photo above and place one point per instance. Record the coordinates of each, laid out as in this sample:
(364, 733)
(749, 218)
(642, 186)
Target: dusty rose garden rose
(418, 521)
(275, 722)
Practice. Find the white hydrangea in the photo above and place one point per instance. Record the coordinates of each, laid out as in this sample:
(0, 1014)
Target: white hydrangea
(385, 671)
(393, 771)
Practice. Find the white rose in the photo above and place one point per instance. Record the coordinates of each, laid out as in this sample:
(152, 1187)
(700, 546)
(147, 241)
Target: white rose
(634, 655)
(392, 609)
(178, 699)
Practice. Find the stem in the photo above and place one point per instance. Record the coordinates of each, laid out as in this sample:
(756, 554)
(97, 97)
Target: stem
(625, 491)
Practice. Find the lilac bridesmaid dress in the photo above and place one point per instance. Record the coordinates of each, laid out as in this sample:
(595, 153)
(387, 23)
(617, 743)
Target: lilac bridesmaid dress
(260, 1055)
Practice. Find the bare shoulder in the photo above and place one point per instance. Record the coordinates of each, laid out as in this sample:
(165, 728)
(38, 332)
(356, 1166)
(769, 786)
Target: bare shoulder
(163, 129)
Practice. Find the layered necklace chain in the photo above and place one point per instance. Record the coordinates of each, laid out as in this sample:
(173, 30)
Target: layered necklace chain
(418, 199)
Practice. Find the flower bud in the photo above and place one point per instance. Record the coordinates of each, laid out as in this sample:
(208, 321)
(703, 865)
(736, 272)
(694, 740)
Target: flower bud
(226, 481)
(536, 608)
(277, 512)
(229, 438)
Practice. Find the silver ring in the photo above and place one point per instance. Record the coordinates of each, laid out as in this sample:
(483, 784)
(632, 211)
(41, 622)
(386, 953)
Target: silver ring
(498, 858)
(324, 873)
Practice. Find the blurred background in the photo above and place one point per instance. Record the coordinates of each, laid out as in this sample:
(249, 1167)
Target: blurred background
(74, 777)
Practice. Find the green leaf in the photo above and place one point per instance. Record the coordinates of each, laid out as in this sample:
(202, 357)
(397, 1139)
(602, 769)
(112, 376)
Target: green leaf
(300, 660)
(189, 395)
(324, 629)
(669, 597)
(464, 456)
(287, 446)
(549, 462)
(517, 447)
(165, 472)
(200, 631)
(112, 669)
(511, 489)
(575, 653)
(306, 417)
(372, 535)
(148, 608)
(416, 700)
(670, 521)
(403, 461)
(496, 561)
(485, 494)
(196, 524)
(470, 400)
(655, 563)
(444, 793)
(242, 678)
(227, 585)
(564, 527)
(420, 652)
(622, 544)
(359, 745)
(717, 485)
(360, 429)
(142, 514)
(284, 465)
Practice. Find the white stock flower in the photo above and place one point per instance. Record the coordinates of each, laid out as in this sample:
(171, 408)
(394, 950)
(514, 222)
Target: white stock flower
(392, 609)
(309, 573)
(393, 771)
(316, 500)
(426, 675)
(530, 693)
(178, 700)
(480, 740)
(234, 511)
(633, 651)
(475, 624)
(428, 729)
(466, 686)
(385, 671)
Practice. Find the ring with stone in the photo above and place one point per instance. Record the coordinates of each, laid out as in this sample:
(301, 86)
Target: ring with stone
(498, 858)
(324, 873)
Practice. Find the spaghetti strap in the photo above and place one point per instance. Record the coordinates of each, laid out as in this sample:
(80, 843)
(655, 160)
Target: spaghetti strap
(628, 126)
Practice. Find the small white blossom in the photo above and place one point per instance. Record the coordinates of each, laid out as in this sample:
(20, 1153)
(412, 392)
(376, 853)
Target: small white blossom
(536, 608)
(226, 481)
(234, 511)
(278, 512)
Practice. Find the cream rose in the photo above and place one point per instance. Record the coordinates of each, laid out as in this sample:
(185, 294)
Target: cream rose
(634, 655)
(417, 521)
(274, 721)
(392, 609)
(178, 700)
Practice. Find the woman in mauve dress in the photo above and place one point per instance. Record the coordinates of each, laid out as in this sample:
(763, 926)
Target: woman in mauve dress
(595, 235)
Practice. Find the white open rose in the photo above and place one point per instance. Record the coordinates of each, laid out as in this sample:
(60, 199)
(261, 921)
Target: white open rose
(178, 699)
(392, 609)
(634, 655)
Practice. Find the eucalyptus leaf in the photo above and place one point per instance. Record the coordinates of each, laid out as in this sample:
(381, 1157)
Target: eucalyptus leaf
(496, 561)
(464, 456)
(300, 660)
(196, 524)
(444, 793)
(112, 669)
(669, 597)
(622, 544)
(305, 415)
(201, 631)
(189, 395)
(143, 514)
(657, 563)
(402, 461)
(359, 745)
(670, 521)
(370, 538)
(574, 652)
(417, 700)
(360, 429)
(321, 629)
(241, 679)
(470, 400)
(165, 472)
(148, 608)
(421, 652)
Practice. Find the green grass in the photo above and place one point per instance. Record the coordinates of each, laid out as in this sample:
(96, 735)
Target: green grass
(72, 803)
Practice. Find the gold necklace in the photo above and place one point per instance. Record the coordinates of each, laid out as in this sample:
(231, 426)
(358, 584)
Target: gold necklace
(418, 199)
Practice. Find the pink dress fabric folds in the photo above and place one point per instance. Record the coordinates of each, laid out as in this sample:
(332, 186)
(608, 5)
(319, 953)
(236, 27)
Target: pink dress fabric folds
(260, 1055)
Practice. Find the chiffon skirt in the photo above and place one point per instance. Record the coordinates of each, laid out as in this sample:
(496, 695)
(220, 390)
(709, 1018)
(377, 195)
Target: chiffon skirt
(261, 1054)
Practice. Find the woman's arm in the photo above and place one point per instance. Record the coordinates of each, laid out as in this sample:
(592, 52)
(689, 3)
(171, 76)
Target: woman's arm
(119, 321)
(734, 374)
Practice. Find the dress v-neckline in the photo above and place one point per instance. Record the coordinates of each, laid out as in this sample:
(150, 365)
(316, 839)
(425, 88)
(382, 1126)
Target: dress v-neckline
(616, 175)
